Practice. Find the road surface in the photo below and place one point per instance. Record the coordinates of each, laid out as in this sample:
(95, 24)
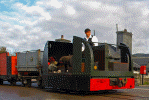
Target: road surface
(34, 93)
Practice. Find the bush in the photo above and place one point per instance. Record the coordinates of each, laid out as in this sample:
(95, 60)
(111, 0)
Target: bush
(146, 83)
(2, 49)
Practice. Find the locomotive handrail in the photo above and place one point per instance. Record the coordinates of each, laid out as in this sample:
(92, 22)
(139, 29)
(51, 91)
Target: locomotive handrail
(107, 43)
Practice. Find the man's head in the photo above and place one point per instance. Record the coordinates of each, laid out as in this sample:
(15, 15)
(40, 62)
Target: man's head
(87, 32)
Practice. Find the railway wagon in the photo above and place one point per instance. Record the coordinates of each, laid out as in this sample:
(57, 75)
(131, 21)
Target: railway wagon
(29, 65)
(96, 68)
(8, 71)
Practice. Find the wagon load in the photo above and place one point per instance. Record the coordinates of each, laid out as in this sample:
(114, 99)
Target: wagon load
(8, 70)
(29, 65)
(67, 59)
(29, 60)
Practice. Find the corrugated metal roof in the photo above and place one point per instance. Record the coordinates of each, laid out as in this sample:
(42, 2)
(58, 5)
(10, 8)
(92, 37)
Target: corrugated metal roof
(147, 66)
(141, 60)
(136, 65)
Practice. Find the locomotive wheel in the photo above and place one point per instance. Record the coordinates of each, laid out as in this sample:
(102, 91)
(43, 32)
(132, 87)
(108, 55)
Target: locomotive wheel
(1, 81)
(23, 83)
(28, 83)
(39, 82)
(12, 82)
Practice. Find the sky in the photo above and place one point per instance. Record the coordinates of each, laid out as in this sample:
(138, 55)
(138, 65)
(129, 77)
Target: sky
(28, 24)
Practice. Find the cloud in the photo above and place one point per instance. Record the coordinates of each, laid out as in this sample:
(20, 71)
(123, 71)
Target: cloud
(70, 10)
(28, 27)
(34, 11)
(140, 43)
(49, 4)
(55, 3)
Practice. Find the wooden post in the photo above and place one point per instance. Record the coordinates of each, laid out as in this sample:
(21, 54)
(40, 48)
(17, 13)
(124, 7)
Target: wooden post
(142, 79)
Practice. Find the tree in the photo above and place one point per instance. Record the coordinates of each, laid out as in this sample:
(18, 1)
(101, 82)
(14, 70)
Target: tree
(2, 49)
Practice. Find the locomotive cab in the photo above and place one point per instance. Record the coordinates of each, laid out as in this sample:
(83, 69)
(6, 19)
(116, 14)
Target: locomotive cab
(104, 64)
(103, 57)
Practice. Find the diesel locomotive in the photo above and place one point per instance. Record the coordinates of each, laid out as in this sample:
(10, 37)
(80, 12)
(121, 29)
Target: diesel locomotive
(101, 67)
(65, 66)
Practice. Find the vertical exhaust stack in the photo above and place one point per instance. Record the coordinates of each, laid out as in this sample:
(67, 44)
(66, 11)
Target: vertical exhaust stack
(124, 37)
(117, 27)
(62, 39)
(94, 32)
(62, 36)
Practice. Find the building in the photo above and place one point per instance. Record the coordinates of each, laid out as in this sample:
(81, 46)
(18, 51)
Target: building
(138, 59)
(124, 37)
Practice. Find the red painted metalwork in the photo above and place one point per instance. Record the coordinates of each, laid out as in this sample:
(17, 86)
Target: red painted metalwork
(97, 84)
(13, 65)
(48, 63)
(25, 73)
(3, 63)
(143, 70)
(51, 59)
(7, 53)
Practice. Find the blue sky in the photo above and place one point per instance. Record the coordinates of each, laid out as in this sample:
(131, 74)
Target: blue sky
(28, 24)
(5, 4)
(7, 7)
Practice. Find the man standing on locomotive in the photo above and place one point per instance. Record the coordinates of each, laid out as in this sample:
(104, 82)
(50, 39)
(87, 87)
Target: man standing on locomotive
(89, 38)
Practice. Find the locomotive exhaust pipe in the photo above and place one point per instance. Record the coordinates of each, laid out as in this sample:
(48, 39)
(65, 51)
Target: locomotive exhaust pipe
(62, 36)
(94, 32)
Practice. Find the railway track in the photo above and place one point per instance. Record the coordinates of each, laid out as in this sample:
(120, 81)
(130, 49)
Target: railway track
(121, 96)
(114, 95)
(103, 95)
